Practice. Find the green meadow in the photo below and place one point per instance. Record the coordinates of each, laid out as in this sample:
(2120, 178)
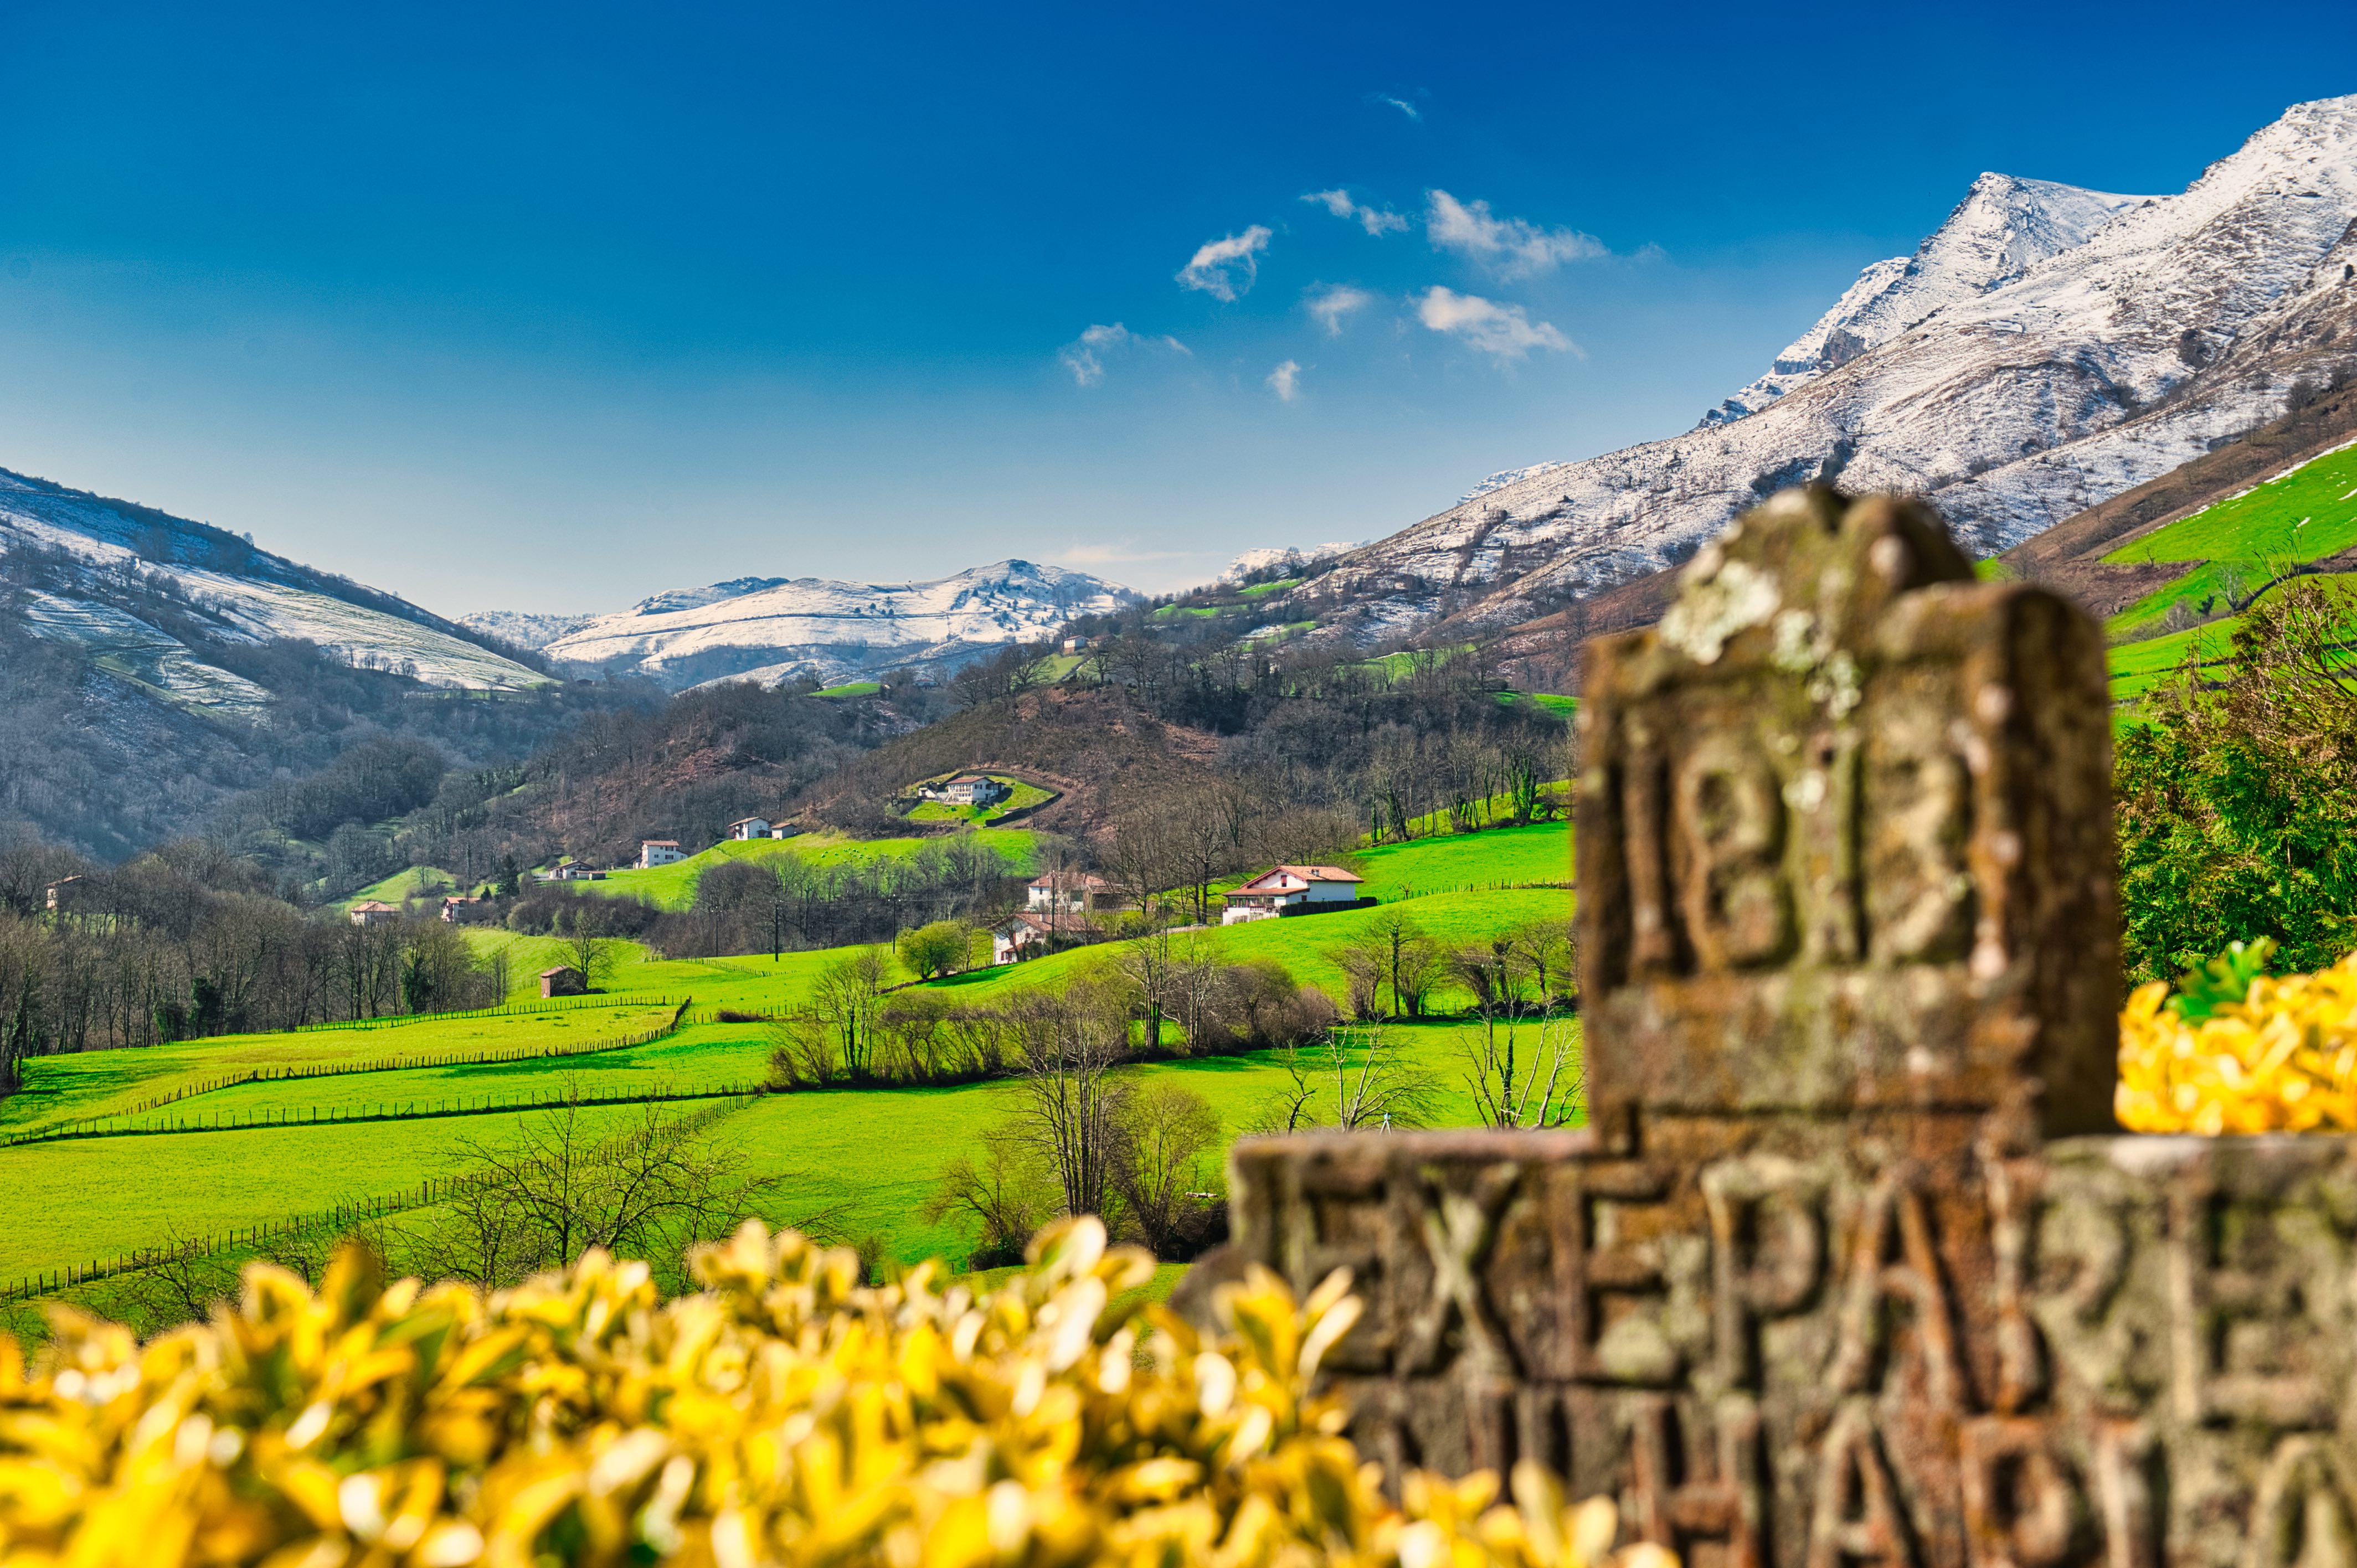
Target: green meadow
(865, 1159)
(672, 886)
(2241, 543)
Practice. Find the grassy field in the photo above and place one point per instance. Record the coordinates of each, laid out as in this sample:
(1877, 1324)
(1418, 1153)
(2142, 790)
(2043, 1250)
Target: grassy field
(867, 1159)
(672, 886)
(2245, 541)
(416, 881)
(870, 1158)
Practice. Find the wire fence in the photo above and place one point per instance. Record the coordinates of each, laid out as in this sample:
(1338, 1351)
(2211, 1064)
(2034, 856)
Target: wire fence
(336, 1218)
(504, 1010)
(120, 1124)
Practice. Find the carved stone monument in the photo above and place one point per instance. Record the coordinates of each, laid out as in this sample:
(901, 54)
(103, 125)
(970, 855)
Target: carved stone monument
(1849, 1266)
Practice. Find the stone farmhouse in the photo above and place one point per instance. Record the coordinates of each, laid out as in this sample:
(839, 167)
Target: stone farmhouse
(1284, 888)
(966, 789)
(374, 912)
(563, 981)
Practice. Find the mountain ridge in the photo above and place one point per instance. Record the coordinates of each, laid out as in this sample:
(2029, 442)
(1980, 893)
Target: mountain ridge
(2172, 326)
(772, 629)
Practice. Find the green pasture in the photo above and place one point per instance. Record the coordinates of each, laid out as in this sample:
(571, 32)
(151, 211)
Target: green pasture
(851, 689)
(103, 1083)
(416, 881)
(1261, 590)
(871, 1157)
(2243, 541)
(672, 886)
(1540, 851)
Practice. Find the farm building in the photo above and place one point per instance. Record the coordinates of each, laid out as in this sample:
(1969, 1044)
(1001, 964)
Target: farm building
(1018, 932)
(450, 908)
(658, 851)
(1076, 644)
(372, 912)
(573, 871)
(966, 789)
(750, 828)
(1284, 887)
(62, 893)
(1070, 892)
(563, 981)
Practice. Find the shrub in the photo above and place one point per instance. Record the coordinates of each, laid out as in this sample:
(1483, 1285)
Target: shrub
(785, 1413)
(2236, 1051)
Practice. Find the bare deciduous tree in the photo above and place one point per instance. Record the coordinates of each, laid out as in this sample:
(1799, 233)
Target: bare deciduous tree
(1164, 1133)
(1524, 1072)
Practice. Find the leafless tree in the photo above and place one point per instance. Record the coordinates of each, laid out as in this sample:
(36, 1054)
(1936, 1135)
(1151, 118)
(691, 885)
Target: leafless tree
(1164, 1133)
(1524, 1072)
(1072, 1102)
(650, 1183)
(1006, 1188)
(586, 944)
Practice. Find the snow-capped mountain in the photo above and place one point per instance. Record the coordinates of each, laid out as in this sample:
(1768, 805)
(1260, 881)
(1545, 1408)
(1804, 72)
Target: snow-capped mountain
(1287, 557)
(144, 591)
(771, 629)
(2047, 348)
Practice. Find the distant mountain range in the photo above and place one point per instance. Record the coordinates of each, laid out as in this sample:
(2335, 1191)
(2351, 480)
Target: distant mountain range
(772, 629)
(2046, 348)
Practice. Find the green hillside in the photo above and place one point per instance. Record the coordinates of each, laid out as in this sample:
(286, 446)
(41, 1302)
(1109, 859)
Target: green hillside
(672, 886)
(2246, 541)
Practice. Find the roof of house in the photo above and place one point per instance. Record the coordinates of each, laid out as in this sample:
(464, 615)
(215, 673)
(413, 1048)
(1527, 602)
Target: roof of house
(969, 778)
(742, 821)
(560, 969)
(1022, 917)
(658, 843)
(1069, 879)
(1281, 878)
(372, 906)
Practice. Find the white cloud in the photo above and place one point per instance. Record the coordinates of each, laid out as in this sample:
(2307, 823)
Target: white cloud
(1508, 246)
(1286, 380)
(1217, 264)
(1502, 331)
(1401, 104)
(1374, 221)
(1332, 307)
(1086, 355)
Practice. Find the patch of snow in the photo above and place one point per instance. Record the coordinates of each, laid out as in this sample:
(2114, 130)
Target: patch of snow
(1288, 556)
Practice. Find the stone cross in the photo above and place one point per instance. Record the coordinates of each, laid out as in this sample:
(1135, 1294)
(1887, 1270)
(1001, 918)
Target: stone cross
(1850, 1268)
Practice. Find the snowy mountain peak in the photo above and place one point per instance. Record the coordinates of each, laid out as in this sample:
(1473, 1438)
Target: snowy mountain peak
(2045, 348)
(776, 629)
(2003, 227)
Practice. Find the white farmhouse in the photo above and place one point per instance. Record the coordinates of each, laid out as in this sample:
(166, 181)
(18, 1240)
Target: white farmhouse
(658, 851)
(1068, 892)
(1281, 888)
(1012, 935)
(966, 789)
(750, 828)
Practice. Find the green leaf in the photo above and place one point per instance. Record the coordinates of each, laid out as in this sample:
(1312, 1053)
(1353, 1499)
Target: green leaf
(2222, 981)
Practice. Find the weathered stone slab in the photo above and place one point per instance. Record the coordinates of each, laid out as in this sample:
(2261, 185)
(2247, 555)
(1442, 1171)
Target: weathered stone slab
(1844, 1271)
(1845, 833)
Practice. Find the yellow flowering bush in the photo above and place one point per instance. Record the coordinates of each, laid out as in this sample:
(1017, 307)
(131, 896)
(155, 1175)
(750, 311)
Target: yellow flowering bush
(2277, 1055)
(785, 1413)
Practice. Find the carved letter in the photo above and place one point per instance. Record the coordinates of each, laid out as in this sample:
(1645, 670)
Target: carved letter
(2023, 1508)
(1768, 1247)
(2301, 1518)
(1457, 1228)
(1894, 1213)
(1738, 908)
(1856, 1519)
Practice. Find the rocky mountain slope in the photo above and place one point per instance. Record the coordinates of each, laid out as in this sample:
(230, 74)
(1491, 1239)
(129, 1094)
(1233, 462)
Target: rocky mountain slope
(2046, 348)
(145, 594)
(771, 629)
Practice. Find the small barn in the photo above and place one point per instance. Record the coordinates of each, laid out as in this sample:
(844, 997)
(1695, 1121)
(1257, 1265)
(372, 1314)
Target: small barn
(563, 981)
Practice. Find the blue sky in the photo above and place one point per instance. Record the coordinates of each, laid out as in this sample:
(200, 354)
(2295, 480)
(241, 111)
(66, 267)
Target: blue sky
(552, 310)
